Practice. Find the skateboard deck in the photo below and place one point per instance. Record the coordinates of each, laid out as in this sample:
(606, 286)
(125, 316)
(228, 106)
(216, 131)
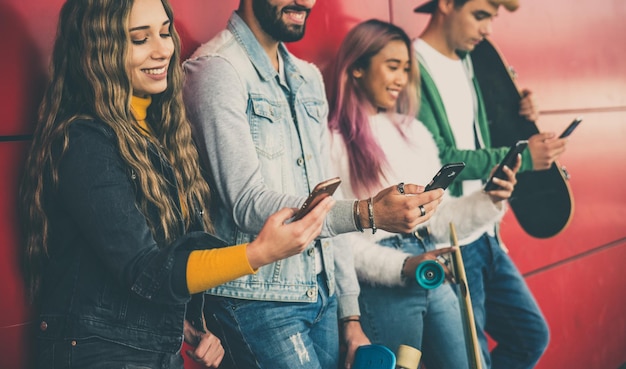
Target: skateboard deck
(542, 201)
(472, 346)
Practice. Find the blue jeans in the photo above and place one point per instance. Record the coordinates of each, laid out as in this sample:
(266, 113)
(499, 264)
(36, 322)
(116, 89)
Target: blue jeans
(277, 335)
(429, 320)
(504, 307)
(95, 353)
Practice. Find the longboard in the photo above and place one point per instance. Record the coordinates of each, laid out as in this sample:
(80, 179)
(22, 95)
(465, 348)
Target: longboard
(380, 357)
(542, 201)
(472, 345)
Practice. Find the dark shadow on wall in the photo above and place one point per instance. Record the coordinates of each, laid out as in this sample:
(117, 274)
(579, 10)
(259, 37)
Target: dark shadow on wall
(24, 75)
(21, 90)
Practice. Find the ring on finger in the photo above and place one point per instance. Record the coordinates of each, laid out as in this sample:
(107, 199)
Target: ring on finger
(401, 187)
(422, 210)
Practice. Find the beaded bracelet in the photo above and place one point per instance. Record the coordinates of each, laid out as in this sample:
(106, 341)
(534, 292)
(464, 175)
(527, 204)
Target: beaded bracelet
(357, 216)
(370, 211)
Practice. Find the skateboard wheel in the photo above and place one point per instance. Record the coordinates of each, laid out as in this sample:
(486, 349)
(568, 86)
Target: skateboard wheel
(429, 274)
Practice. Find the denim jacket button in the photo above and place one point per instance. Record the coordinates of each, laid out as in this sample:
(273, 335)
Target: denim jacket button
(43, 326)
(311, 292)
(311, 251)
(300, 162)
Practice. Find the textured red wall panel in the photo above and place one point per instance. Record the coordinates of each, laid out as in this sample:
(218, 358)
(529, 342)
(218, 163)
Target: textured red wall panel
(15, 317)
(22, 73)
(584, 303)
(570, 55)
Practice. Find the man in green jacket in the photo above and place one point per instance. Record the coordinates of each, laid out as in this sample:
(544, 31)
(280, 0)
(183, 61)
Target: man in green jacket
(453, 110)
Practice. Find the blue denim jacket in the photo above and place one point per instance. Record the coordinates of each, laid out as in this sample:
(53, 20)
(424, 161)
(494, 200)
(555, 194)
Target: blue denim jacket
(266, 146)
(107, 274)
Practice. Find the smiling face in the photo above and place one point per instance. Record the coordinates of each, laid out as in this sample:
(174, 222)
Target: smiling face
(386, 76)
(283, 20)
(151, 47)
(469, 24)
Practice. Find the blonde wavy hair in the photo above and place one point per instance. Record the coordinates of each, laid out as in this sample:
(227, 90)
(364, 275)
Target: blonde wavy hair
(89, 80)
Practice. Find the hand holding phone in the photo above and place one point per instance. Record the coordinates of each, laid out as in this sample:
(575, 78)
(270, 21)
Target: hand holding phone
(572, 126)
(509, 160)
(445, 176)
(321, 191)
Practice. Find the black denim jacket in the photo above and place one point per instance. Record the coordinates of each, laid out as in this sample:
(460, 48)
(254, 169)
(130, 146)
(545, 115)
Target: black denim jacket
(108, 275)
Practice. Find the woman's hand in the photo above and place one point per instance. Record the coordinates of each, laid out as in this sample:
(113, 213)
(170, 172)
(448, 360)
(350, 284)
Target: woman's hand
(506, 186)
(279, 240)
(414, 261)
(208, 348)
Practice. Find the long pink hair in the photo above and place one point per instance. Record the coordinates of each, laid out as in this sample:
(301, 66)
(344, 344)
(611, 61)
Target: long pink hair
(349, 106)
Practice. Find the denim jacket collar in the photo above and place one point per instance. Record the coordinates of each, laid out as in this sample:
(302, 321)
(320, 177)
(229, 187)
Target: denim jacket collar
(259, 57)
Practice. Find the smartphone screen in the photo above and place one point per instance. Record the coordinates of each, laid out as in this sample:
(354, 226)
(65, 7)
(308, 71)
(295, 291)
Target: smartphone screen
(572, 126)
(321, 191)
(509, 160)
(445, 176)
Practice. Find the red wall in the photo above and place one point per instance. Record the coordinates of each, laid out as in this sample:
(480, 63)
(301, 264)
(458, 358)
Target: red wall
(572, 57)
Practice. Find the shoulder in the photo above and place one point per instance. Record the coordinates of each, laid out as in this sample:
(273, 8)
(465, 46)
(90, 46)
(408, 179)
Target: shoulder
(89, 127)
(219, 55)
(218, 44)
(308, 69)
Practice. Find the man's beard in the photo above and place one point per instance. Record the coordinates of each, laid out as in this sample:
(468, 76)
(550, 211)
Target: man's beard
(270, 19)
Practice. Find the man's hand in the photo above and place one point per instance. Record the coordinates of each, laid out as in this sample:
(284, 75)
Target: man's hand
(527, 106)
(545, 148)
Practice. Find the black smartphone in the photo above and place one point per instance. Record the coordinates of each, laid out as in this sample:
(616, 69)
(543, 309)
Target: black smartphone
(572, 126)
(445, 176)
(509, 160)
(321, 191)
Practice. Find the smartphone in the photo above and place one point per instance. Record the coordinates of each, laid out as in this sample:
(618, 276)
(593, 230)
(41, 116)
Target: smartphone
(509, 160)
(321, 191)
(445, 176)
(572, 126)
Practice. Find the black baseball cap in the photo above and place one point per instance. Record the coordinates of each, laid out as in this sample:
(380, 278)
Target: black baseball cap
(427, 7)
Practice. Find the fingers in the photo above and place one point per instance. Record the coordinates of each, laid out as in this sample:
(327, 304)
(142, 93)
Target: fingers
(311, 224)
(320, 211)
(354, 337)
(411, 189)
(541, 137)
(444, 250)
(528, 106)
(278, 240)
(545, 148)
(282, 215)
(209, 351)
(505, 186)
(399, 213)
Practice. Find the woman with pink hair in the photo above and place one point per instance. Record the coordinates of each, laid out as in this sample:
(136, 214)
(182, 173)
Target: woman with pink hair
(377, 142)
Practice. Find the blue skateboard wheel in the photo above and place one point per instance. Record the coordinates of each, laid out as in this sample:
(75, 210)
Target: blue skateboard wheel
(429, 274)
(374, 357)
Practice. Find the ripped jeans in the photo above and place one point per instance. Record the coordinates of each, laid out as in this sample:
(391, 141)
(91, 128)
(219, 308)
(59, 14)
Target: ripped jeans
(276, 335)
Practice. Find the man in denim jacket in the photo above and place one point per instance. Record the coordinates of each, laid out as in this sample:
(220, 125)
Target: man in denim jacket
(259, 117)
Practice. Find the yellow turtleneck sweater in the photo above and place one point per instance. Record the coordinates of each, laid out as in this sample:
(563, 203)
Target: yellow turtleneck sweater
(205, 268)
